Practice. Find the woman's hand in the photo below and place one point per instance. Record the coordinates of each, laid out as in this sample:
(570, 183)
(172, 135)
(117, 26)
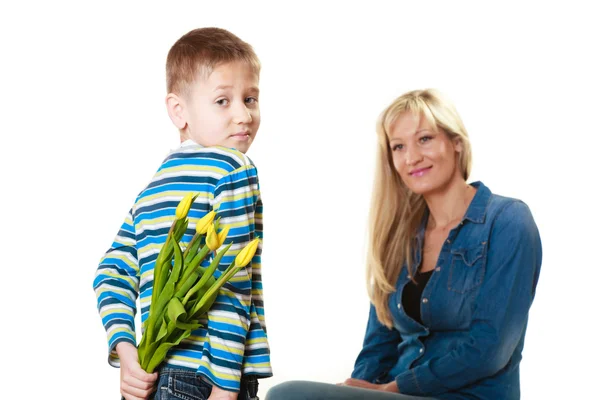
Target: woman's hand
(384, 387)
(136, 384)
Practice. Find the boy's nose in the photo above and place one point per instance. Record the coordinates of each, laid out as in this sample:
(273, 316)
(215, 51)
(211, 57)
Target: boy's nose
(242, 115)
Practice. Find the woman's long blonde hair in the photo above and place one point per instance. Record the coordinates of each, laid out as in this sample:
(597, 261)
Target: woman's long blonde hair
(396, 213)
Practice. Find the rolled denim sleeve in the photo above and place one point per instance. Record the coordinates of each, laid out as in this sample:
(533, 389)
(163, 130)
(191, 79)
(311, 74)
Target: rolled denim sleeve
(379, 352)
(500, 312)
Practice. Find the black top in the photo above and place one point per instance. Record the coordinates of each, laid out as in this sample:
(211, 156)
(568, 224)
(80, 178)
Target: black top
(411, 296)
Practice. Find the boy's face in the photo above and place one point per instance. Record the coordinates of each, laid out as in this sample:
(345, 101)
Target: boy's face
(222, 109)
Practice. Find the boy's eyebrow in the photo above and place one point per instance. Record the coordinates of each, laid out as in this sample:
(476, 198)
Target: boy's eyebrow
(223, 87)
(253, 89)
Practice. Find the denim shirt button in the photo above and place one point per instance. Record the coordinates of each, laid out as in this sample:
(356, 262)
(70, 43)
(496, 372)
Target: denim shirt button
(399, 306)
(425, 300)
(448, 241)
(420, 350)
(438, 269)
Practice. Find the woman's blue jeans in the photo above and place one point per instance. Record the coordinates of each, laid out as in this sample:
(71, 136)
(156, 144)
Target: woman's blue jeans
(304, 390)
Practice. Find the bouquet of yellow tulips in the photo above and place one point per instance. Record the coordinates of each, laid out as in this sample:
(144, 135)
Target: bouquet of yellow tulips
(183, 290)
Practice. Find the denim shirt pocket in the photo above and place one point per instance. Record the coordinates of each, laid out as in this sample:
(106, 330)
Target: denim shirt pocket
(467, 268)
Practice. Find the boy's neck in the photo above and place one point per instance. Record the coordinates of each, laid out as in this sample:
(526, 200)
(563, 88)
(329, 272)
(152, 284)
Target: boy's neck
(188, 142)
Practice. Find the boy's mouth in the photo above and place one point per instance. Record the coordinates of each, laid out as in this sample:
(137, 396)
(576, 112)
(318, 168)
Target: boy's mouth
(241, 135)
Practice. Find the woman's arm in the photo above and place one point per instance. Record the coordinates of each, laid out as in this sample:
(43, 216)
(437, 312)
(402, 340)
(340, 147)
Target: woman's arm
(379, 352)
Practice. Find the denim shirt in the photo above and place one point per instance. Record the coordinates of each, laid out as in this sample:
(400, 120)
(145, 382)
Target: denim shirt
(474, 309)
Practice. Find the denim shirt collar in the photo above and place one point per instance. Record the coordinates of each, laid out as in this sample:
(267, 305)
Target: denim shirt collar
(478, 207)
(475, 212)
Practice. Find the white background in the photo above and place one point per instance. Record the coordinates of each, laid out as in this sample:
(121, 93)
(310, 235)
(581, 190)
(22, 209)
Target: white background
(83, 128)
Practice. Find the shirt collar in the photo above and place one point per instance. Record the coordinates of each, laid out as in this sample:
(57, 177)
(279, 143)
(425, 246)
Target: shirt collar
(475, 212)
(189, 142)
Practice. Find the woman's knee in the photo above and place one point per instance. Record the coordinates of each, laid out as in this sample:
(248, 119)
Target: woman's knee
(291, 390)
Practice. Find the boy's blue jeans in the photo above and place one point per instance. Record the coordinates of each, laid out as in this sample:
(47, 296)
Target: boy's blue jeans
(183, 384)
(305, 390)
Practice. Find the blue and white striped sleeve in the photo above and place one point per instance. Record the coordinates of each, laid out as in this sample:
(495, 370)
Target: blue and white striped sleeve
(257, 354)
(116, 286)
(235, 199)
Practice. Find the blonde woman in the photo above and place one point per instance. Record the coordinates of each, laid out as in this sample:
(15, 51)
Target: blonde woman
(452, 269)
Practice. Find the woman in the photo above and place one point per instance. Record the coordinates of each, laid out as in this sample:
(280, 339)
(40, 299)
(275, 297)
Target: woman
(452, 269)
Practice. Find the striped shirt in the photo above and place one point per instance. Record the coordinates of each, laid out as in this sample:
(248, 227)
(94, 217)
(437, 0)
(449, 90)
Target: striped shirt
(233, 340)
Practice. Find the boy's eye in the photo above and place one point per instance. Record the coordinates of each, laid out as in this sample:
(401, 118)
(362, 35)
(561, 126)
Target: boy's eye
(222, 102)
(397, 147)
(251, 100)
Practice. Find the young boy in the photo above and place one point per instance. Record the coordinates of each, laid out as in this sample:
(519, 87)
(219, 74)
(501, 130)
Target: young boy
(212, 84)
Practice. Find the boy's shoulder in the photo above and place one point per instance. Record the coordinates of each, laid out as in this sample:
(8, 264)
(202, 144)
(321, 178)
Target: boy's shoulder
(216, 158)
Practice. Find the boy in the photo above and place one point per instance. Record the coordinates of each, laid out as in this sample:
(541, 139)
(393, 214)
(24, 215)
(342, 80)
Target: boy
(212, 85)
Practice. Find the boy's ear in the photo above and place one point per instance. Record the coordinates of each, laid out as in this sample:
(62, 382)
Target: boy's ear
(175, 108)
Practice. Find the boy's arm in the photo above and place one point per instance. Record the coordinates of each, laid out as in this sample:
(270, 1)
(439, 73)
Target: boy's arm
(256, 357)
(235, 198)
(116, 286)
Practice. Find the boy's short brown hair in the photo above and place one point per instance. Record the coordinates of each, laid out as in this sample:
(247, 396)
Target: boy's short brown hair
(200, 51)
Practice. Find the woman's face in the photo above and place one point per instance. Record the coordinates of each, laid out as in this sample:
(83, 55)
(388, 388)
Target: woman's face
(424, 156)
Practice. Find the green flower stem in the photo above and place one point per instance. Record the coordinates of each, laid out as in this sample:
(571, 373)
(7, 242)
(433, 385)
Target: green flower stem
(207, 274)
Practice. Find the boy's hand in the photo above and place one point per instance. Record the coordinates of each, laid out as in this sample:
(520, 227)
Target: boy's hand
(220, 394)
(136, 384)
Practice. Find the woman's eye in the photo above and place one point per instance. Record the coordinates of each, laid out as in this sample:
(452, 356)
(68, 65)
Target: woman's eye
(222, 102)
(425, 139)
(251, 100)
(397, 147)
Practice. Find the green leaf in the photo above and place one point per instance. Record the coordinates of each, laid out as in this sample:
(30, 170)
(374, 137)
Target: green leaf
(195, 298)
(142, 349)
(187, 285)
(203, 305)
(162, 331)
(178, 265)
(161, 264)
(161, 303)
(175, 309)
(180, 228)
(186, 326)
(192, 249)
(189, 271)
(214, 289)
(206, 275)
(161, 351)
(150, 349)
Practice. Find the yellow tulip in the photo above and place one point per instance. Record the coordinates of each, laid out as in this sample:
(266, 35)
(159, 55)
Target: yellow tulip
(215, 240)
(205, 222)
(184, 206)
(212, 239)
(223, 235)
(245, 256)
